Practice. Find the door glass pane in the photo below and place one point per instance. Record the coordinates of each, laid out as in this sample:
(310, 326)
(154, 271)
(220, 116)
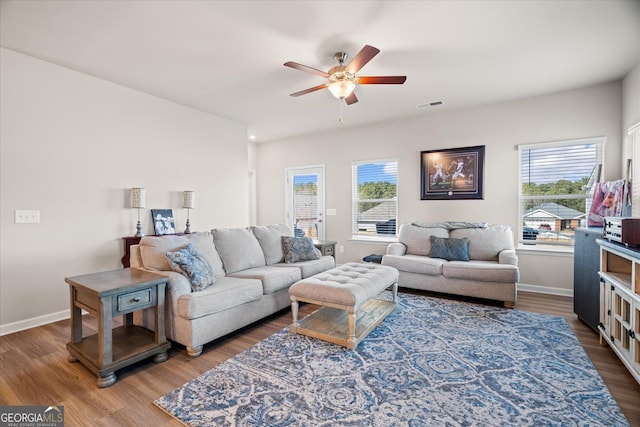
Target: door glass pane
(305, 205)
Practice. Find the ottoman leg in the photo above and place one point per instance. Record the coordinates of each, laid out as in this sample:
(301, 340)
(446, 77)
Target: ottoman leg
(351, 318)
(394, 290)
(294, 313)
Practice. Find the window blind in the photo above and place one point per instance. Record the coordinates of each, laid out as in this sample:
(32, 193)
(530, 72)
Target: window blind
(556, 184)
(375, 198)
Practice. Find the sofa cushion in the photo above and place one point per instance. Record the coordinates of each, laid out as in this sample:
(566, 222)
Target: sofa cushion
(273, 279)
(238, 248)
(153, 249)
(449, 248)
(481, 271)
(228, 292)
(270, 239)
(297, 249)
(203, 242)
(189, 262)
(416, 239)
(415, 264)
(486, 243)
(310, 268)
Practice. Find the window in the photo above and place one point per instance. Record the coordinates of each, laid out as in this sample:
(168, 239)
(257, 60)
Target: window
(375, 199)
(556, 184)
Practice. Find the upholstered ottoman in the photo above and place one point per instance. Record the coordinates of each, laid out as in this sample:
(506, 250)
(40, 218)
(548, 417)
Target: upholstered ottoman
(347, 294)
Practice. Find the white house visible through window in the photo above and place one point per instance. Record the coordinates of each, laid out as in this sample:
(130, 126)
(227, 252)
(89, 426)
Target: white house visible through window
(375, 199)
(556, 185)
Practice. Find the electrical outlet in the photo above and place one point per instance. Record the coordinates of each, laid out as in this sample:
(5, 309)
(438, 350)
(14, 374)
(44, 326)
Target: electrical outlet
(341, 249)
(27, 217)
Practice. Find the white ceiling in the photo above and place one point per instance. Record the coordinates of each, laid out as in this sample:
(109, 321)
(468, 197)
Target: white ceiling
(226, 58)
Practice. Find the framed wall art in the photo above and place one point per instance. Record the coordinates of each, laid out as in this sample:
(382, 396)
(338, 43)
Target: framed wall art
(454, 173)
(163, 221)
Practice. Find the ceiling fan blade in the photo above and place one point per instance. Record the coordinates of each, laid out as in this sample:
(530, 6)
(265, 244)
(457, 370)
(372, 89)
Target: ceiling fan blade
(305, 68)
(351, 99)
(382, 80)
(311, 89)
(360, 60)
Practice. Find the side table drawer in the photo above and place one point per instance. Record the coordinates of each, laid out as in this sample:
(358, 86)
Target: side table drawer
(327, 250)
(134, 300)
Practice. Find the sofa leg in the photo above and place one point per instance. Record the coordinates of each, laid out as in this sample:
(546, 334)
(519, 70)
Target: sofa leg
(509, 304)
(194, 351)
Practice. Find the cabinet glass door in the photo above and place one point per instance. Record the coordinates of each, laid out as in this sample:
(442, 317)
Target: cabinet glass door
(636, 336)
(605, 313)
(621, 317)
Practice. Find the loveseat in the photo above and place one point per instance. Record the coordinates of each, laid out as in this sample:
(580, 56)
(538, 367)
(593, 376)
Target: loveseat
(251, 270)
(469, 259)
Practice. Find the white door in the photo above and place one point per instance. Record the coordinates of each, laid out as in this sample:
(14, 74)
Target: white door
(305, 201)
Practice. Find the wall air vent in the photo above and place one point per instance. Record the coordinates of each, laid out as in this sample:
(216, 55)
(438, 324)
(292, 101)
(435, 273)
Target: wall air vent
(429, 104)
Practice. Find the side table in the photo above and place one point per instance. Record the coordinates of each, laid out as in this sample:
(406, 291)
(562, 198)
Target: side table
(109, 294)
(326, 247)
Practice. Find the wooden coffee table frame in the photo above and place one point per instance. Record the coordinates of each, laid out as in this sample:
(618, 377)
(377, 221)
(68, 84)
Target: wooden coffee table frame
(341, 324)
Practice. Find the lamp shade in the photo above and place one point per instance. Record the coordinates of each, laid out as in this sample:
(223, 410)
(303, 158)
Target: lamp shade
(138, 199)
(342, 88)
(189, 200)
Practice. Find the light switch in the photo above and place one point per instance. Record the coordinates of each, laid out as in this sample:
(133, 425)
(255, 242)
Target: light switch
(27, 217)
(331, 212)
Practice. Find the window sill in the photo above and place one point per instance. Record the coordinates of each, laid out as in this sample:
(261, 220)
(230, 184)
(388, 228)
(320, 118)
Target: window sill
(374, 240)
(545, 250)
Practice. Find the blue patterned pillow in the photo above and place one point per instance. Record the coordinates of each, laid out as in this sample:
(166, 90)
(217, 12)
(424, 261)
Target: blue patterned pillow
(298, 249)
(189, 262)
(449, 249)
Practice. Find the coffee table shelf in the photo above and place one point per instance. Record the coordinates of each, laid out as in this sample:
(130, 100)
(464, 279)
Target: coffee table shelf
(332, 324)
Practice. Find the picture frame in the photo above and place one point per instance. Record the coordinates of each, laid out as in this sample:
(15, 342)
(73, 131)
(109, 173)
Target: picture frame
(163, 222)
(452, 174)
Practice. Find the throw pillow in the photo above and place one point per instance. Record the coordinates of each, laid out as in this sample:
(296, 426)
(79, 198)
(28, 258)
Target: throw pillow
(449, 249)
(189, 262)
(298, 249)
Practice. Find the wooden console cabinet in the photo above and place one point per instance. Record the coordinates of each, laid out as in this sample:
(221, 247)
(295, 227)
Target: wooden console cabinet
(133, 240)
(620, 303)
(326, 247)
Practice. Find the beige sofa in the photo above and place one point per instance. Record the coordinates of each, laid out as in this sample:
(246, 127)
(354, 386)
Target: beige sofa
(491, 271)
(251, 281)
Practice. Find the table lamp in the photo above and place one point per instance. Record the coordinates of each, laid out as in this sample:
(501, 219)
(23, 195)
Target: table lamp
(138, 202)
(188, 204)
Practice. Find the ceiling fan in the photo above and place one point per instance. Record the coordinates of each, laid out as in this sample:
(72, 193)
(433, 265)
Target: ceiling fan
(342, 79)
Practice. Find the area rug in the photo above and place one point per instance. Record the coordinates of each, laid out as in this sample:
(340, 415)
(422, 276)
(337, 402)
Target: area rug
(432, 362)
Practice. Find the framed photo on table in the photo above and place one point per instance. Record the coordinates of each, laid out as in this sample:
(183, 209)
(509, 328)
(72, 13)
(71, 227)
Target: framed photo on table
(454, 173)
(163, 222)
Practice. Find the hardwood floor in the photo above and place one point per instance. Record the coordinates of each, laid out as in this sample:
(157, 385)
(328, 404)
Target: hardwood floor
(35, 370)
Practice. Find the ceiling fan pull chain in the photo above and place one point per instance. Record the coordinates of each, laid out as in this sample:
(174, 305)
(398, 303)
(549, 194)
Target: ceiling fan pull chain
(341, 103)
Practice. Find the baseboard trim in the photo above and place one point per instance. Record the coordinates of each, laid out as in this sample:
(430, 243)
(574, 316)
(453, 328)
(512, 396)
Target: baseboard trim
(545, 290)
(22, 325)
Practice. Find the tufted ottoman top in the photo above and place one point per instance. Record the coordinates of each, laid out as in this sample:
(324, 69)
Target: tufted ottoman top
(349, 284)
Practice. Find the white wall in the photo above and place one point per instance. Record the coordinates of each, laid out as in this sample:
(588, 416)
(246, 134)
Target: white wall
(631, 107)
(71, 147)
(587, 112)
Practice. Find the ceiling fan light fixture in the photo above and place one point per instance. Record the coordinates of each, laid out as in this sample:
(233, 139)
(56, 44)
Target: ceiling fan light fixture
(342, 88)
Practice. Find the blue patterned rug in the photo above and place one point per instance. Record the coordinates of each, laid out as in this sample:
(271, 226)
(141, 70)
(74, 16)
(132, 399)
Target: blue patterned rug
(432, 362)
